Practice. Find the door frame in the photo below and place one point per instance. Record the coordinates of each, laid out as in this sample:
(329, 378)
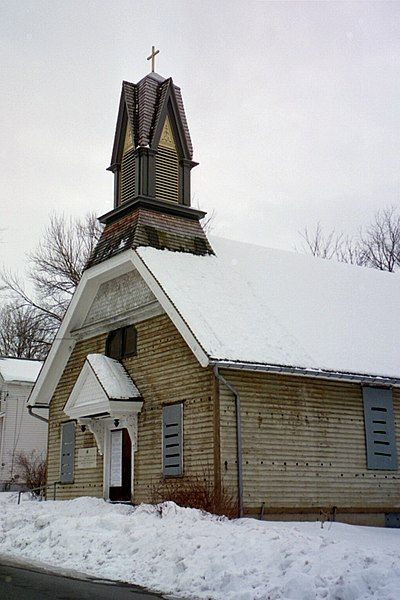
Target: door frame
(109, 426)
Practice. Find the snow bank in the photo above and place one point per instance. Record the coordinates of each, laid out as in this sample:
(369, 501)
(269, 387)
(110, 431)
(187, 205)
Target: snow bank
(193, 555)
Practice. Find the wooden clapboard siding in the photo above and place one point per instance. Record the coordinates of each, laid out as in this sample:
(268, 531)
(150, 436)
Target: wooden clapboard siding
(166, 371)
(87, 482)
(303, 445)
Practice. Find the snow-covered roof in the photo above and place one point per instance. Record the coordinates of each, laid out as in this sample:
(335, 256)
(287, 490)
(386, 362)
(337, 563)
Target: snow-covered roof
(254, 304)
(19, 369)
(103, 387)
(256, 308)
(113, 378)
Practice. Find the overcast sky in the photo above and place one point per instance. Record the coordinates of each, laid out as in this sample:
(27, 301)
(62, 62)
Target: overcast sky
(293, 109)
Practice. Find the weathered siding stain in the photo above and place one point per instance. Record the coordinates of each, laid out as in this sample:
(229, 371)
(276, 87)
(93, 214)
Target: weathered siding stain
(118, 296)
(303, 445)
(303, 438)
(165, 371)
(87, 482)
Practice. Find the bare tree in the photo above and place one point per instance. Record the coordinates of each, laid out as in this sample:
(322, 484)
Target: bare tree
(32, 470)
(208, 221)
(24, 332)
(55, 268)
(350, 251)
(377, 245)
(380, 242)
(319, 243)
(59, 260)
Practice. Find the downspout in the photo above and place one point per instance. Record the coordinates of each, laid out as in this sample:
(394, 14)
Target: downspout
(238, 436)
(37, 416)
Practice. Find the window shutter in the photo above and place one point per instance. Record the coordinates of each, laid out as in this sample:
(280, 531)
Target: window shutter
(379, 428)
(67, 452)
(172, 440)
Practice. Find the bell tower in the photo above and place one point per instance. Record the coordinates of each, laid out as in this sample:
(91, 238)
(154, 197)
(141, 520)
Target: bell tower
(151, 161)
(152, 153)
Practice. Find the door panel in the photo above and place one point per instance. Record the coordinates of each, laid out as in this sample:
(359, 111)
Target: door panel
(120, 466)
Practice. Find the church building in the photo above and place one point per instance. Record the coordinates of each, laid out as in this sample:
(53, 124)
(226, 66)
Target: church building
(275, 373)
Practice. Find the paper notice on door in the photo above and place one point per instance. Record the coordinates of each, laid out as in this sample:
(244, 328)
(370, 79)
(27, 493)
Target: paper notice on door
(116, 459)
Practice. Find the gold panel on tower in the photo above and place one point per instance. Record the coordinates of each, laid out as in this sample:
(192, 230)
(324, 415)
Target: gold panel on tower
(127, 180)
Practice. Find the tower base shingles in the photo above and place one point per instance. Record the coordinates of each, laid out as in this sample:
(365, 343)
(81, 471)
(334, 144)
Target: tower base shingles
(145, 227)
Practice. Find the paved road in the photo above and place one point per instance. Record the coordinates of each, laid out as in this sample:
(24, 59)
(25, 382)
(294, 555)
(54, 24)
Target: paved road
(20, 583)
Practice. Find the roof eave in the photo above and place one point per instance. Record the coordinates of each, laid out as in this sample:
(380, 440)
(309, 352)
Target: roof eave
(366, 379)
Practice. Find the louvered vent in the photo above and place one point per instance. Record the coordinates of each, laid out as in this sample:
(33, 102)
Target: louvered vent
(127, 176)
(167, 174)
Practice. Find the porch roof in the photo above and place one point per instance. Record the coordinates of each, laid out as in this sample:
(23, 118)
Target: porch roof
(103, 388)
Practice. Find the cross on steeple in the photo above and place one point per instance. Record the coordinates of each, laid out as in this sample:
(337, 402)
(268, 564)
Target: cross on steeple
(152, 57)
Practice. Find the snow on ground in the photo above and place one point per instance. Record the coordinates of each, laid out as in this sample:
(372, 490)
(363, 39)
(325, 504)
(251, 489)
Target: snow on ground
(194, 555)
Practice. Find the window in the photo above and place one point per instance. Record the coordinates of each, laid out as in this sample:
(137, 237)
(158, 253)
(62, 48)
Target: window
(379, 428)
(122, 342)
(172, 439)
(67, 452)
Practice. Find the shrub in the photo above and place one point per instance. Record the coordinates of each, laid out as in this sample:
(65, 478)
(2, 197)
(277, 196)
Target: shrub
(196, 492)
(32, 469)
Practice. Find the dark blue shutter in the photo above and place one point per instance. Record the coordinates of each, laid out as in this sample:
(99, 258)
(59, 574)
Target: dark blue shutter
(379, 428)
(172, 440)
(67, 452)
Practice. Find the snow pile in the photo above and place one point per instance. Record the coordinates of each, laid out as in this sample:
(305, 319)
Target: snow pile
(193, 555)
(255, 304)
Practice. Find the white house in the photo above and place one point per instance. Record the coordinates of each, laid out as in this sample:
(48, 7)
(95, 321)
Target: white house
(19, 430)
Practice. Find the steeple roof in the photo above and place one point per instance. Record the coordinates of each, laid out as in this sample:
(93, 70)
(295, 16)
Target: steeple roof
(144, 105)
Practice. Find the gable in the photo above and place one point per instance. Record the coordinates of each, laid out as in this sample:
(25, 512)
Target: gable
(73, 326)
(103, 387)
(147, 99)
(170, 107)
(87, 397)
(128, 144)
(119, 301)
(167, 137)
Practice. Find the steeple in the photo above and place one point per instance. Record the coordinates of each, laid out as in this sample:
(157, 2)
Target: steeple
(151, 160)
(152, 153)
